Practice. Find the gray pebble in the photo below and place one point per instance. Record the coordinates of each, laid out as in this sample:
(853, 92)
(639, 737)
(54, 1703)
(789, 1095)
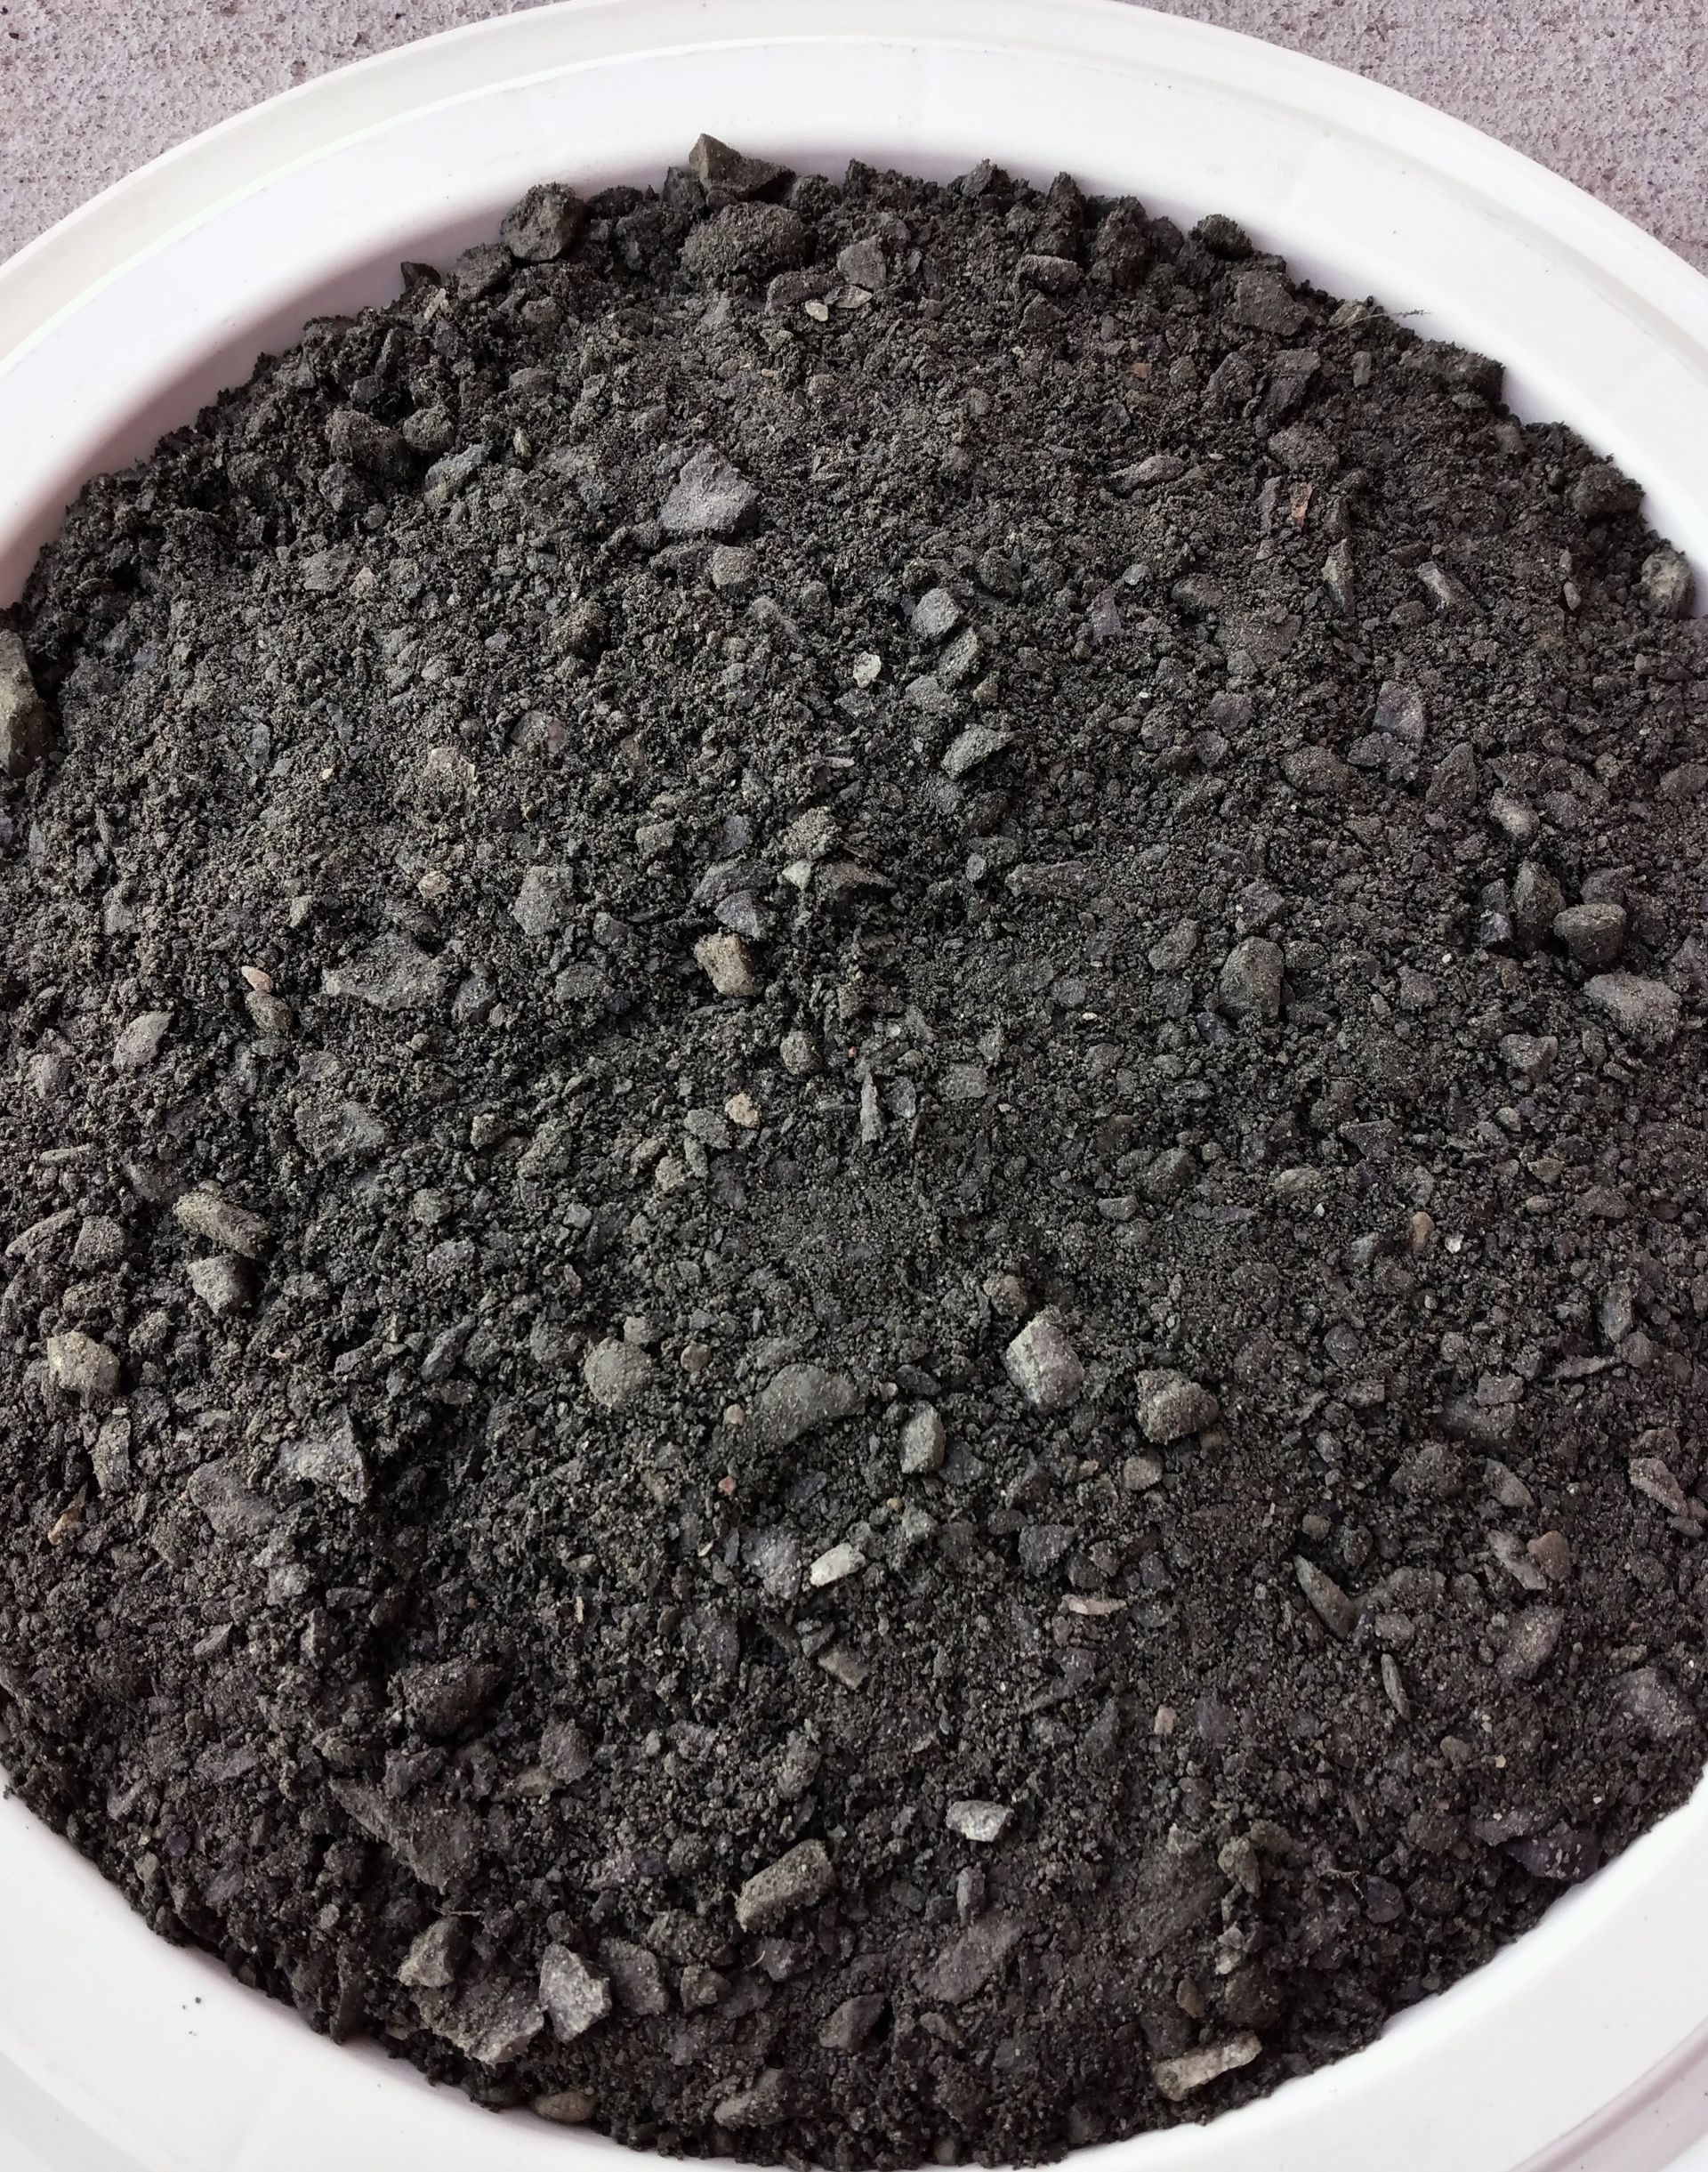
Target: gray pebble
(1530, 1643)
(709, 498)
(962, 1970)
(233, 1228)
(1169, 1405)
(1263, 299)
(616, 1373)
(764, 2104)
(1594, 934)
(862, 264)
(1338, 1614)
(796, 1880)
(728, 964)
(565, 1752)
(730, 175)
(24, 721)
(83, 1367)
(1668, 584)
(574, 1996)
(1179, 2078)
(444, 1696)
(799, 1053)
(851, 2026)
(798, 1400)
(976, 744)
(834, 1565)
(545, 223)
(435, 1959)
(1601, 492)
(226, 1285)
(923, 1443)
(138, 1043)
(984, 1822)
(480, 270)
(935, 616)
(1042, 1364)
(1250, 983)
(1654, 1705)
(565, 2107)
(1649, 1011)
(636, 1977)
(749, 242)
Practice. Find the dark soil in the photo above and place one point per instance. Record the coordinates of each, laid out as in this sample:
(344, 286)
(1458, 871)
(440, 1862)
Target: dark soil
(854, 1147)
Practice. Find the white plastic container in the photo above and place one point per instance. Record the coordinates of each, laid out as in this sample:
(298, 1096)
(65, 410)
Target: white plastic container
(1583, 2047)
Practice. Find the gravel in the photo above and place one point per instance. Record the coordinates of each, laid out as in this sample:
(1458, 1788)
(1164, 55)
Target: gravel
(853, 1178)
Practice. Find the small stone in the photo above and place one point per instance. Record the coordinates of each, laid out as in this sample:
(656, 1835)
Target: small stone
(1140, 1473)
(492, 2021)
(1600, 492)
(1648, 1010)
(545, 223)
(637, 1978)
(444, 1696)
(977, 744)
(220, 1222)
(1042, 1547)
(615, 1373)
(370, 446)
(967, 1963)
(923, 1443)
(796, 1880)
(24, 721)
(101, 1242)
(799, 1053)
(435, 1959)
(984, 1822)
(225, 1286)
(763, 2105)
(935, 615)
(1652, 1705)
(1594, 934)
(1263, 299)
(1530, 1643)
(730, 175)
(1169, 1405)
(851, 2026)
(1179, 2078)
(709, 498)
(1529, 1056)
(565, 2107)
(565, 1752)
(1250, 983)
(1653, 1477)
(545, 901)
(798, 1400)
(1448, 594)
(574, 1996)
(1042, 1363)
(728, 964)
(1338, 1614)
(480, 270)
(862, 264)
(1341, 579)
(1667, 583)
(835, 1563)
(1432, 1472)
(730, 567)
(702, 1988)
(83, 1367)
(138, 1043)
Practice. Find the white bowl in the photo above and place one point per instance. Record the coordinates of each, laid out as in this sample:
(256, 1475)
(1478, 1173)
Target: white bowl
(1584, 2047)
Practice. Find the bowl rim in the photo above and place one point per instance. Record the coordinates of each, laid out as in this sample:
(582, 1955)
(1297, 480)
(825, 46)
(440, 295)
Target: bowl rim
(1659, 1886)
